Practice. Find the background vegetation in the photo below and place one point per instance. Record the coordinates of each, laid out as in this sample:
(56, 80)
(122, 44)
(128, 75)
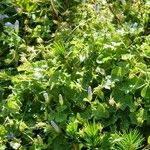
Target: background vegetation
(74, 74)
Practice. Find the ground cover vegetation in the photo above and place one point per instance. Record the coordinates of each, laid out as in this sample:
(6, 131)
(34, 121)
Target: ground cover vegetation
(74, 75)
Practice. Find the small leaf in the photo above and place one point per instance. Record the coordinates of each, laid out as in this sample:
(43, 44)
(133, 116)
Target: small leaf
(98, 91)
(15, 145)
(22, 126)
(3, 131)
(145, 92)
(13, 105)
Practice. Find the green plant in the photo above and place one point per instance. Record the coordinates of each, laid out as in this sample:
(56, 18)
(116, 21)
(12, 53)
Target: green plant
(129, 141)
(92, 136)
(60, 70)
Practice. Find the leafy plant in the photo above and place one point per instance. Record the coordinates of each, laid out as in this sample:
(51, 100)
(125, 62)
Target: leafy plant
(66, 63)
(129, 141)
(91, 134)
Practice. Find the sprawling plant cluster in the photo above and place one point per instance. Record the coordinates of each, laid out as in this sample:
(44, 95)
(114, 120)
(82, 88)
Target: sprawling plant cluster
(74, 74)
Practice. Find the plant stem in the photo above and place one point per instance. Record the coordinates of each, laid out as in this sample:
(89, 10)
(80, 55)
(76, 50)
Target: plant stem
(54, 9)
(112, 11)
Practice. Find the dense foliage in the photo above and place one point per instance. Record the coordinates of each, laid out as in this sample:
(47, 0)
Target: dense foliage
(74, 74)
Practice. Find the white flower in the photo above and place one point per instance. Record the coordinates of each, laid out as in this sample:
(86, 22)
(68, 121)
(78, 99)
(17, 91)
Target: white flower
(37, 75)
(135, 25)
(82, 58)
(46, 97)
(112, 102)
(120, 31)
(108, 83)
(104, 2)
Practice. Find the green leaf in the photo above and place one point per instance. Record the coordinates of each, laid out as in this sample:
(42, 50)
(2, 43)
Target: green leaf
(3, 130)
(148, 140)
(22, 126)
(145, 92)
(60, 117)
(141, 115)
(59, 48)
(131, 84)
(99, 111)
(12, 105)
(118, 72)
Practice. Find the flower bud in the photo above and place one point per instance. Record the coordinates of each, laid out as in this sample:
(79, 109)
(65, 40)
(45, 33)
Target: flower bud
(89, 93)
(112, 102)
(61, 101)
(96, 7)
(46, 97)
(55, 126)
(16, 26)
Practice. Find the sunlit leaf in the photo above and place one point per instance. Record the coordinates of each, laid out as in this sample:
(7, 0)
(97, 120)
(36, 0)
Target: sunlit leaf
(145, 92)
